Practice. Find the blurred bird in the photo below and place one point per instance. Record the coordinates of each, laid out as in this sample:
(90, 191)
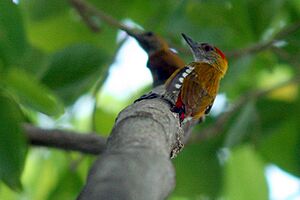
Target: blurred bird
(193, 89)
(162, 61)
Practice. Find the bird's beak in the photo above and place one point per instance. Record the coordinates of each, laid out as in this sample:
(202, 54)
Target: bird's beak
(132, 33)
(138, 36)
(197, 53)
(190, 41)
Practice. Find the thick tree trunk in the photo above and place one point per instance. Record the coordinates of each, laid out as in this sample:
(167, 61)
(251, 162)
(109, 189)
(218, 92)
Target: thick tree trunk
(136, 162)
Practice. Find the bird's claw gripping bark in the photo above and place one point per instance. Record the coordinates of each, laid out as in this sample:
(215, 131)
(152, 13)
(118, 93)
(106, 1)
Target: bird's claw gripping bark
(180, 111)
(148, 96)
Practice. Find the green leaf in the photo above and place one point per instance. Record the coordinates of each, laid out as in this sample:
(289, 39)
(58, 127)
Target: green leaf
(261, 15)
(244, 175)
(282, 147)
(238, 72)
(274, 113)
(34, 61)
(43, 170)
(40, 9)
(198, 171)
(104, 121)
(225, 23)
(74, 70)
(32, 93)
(241, 127)
(13, 146)
(56, 25)
(67, 187)
(280, 143)
(12, 35)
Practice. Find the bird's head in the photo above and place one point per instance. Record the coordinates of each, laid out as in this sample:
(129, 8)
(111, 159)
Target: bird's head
(150, 42)
(204, 52)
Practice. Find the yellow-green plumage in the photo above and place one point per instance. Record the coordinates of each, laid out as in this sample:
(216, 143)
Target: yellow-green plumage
(194, 87)
(199, 89)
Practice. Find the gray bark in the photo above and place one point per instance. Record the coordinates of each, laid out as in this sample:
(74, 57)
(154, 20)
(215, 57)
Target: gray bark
(64, 139)
(136, 163)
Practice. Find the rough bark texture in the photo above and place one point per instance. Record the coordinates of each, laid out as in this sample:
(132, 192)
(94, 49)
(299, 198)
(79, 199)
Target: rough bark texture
(136, 163)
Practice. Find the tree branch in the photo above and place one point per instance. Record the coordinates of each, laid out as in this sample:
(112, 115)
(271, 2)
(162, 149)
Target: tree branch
(94, 144)
(87, 10)
(84, 13)
(261, 46)
(218, 126)
(144, 135)
(84, 8)
(66, 140)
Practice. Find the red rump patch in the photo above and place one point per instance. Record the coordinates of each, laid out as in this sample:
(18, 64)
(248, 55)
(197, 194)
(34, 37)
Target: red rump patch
(179, 102)
(181, 116)
(220, 53)
(179, 108)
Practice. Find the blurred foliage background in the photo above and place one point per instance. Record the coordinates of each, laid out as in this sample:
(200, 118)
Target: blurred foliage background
(50, 58)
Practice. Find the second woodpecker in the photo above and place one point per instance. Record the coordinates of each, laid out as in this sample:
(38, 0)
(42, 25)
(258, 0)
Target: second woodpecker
(193, 88)
(162, 61)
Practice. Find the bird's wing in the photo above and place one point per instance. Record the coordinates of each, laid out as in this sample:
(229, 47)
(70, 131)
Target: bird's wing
(208, 108)
(174, 83)
(195, 96)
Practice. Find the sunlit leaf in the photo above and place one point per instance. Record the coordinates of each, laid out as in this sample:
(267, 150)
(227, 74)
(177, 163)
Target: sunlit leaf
(244, 175)
(13, 146)
(40, 9)
(53, 25)
(42, 171)
(55, 33)
(104, 121)
(67, 187)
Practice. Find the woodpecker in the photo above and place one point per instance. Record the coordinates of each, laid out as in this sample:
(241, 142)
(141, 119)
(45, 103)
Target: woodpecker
(193, 88)
(162, 61)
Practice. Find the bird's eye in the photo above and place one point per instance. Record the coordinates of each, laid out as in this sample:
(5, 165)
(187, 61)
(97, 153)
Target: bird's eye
(208, 48)
(149, 34)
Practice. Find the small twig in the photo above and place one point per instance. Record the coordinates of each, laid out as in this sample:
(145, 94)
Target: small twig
(83, 12)
(85, 9)
(292, 60)
(261, 46)
(66, 140)
(214, 129)
(255, 48)
(250, 50)
(265, 45)
(218, 126)
(288, 30)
